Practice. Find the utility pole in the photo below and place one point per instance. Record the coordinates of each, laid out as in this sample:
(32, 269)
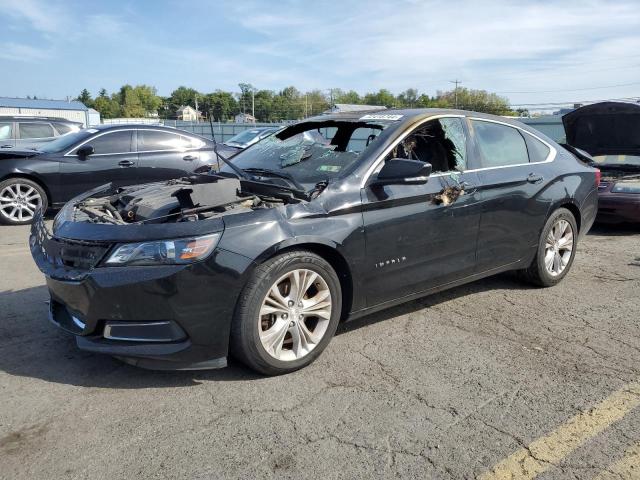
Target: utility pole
(196, 101)
(455, 92)
(253, 102)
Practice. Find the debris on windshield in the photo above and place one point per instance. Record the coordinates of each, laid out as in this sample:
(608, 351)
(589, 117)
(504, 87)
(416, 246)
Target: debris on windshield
(448, 195)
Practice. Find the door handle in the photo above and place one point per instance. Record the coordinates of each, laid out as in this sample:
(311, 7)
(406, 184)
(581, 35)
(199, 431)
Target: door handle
(126, 163)
(534, 178)
(190, 157)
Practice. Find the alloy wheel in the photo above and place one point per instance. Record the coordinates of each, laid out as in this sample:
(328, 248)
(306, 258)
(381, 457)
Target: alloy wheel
(19, 202)
(558, 247)
(295, 314)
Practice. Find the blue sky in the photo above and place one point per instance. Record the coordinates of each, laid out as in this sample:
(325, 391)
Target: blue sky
(551, 51)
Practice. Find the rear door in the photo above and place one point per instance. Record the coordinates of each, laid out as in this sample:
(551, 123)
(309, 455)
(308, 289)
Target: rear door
(30, 134)
(414, 241)
(512, 175)
(164, 155)
(114, 160)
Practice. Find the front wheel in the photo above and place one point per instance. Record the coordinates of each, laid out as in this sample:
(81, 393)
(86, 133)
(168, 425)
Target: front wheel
(19, 200)
(287, 313)
(556, 250)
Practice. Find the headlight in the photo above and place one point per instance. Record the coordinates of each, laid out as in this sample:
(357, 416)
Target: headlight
(626, 187)
(164, 252)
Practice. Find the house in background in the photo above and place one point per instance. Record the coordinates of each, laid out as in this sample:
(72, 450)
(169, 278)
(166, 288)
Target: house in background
(187, 113)
(245, 118)
(32, 107)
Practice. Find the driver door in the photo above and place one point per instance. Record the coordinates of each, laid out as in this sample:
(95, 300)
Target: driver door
(414, 240)
(114, 160)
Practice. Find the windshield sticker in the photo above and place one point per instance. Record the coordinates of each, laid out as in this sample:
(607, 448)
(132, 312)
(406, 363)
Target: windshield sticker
(382, 116)
(329, 168)
(92, 130)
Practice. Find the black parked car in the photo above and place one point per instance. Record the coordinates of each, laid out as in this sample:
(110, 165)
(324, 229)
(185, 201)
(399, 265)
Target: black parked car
(77, 162)
(263, 259)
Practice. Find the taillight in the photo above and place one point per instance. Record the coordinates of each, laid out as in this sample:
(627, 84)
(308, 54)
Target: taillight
(598, 175)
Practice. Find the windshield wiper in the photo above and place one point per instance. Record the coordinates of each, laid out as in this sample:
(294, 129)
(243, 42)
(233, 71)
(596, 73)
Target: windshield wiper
(274, 173)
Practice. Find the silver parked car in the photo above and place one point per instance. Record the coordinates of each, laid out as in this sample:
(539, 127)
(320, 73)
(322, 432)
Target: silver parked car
(29, 132)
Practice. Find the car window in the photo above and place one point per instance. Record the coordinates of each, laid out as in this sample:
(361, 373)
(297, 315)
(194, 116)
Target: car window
(112, 142)
(62, 128)
(361, 138)
(441, 142)
(35, 130)
(5, 130)
(500, 145)
(152, 140)
(538, 151)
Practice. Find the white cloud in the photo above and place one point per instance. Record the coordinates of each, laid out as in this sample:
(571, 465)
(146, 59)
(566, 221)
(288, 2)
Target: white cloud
(22, 53)
(425, 44)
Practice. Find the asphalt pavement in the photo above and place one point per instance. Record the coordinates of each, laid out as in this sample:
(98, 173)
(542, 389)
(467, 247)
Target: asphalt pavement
(492, 380)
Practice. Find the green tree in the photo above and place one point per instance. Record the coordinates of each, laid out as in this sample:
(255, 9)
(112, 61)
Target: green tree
(351, 97)
(315, 102)
(182, 96)
(476, 100)
(221, 105)
(383, 97)
(85, 97)
(408, 98)
(148, 97)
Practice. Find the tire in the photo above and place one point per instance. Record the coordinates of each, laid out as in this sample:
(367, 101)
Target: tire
(19, 199)
(560, 222)
(264, 315)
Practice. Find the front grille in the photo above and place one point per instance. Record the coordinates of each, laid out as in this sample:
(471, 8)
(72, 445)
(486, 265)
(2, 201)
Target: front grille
(66, 253)
(603, 185)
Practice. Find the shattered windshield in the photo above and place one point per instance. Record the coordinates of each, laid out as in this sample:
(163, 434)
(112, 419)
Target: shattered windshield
(311, 152)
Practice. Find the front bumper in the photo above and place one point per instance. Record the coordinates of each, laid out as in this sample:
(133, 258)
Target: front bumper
(168, 317)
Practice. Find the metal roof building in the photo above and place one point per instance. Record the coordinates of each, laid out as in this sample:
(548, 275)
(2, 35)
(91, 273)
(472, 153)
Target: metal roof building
(68, 109)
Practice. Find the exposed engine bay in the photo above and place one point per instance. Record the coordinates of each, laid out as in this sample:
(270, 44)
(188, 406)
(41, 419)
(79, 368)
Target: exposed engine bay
(187, 199)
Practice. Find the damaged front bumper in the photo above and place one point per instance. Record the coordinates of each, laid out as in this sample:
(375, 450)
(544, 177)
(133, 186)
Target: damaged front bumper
(161, 317)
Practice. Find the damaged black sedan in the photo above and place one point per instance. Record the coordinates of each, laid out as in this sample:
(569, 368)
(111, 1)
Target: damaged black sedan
(327, 220)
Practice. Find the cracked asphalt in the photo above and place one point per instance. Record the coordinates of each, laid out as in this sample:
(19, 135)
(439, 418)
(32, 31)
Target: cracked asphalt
(448, 386)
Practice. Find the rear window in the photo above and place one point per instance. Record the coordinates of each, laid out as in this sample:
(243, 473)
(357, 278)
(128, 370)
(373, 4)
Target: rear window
(154, 140)
(62, 128)
(500, 145)
(35, 130)
(538, 151)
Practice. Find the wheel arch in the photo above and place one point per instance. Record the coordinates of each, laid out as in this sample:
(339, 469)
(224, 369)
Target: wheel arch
(571, 205)
(32, 178)
(330, 254)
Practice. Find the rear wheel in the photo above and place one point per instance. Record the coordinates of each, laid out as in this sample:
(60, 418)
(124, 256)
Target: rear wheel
(287, 314)
(556, 250)
(19, 200)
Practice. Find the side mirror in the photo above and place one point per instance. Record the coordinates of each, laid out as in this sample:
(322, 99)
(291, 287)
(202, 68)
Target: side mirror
(84, 151)
(403, 171)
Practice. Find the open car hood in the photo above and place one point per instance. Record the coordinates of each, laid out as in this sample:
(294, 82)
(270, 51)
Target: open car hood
(606, 128)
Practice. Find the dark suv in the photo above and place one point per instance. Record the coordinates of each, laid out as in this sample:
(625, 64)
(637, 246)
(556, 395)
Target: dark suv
(29, 132)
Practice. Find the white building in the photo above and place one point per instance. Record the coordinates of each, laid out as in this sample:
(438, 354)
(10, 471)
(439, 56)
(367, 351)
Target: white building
(245, 118)
(67, 109)
(187, 113)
